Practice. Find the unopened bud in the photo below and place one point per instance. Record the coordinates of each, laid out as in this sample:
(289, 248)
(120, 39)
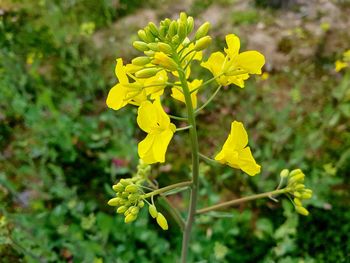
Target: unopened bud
(173, 29)
(139, 45)
(295, 172)
(153, 46)
(297, 202)
(202, 43)
(182, 30)
(284, 173)
(302, 210)
(162, 31)
(153, 211)
(153, 28)
(142, 35)
(162, 222)
(131, 188)
(190, 24)
(299, 187)
(118, 187)
(163, 60)
(202, 30)
(146, 73)
(141, 204)
(133, 197)
(149, 53)
(149, 34)
(306, 195)
(296, 178)
(141, 61)
(129, 218)
(183, 16)
(121, 209)
(163, 47)
(135, 210)
(114, 201)
(297, 194)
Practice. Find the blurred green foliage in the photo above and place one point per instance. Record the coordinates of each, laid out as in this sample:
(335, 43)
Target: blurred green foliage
(61, 149)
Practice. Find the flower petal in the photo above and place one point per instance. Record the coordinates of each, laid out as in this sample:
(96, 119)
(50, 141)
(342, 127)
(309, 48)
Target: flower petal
(239, 135)
(233, 44)
(247, 163)
(147, 116)
(252, 61)
(145, 150)
(161, 145)
(120, 72)
(115, 98)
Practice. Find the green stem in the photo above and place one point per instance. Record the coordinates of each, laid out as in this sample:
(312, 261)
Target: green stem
(178, 118)
(166, 189)
(184, 128)
(209, 100)
(241, 200)
(207, 159)
(195, 164)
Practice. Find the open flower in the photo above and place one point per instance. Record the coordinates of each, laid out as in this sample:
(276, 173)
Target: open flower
(153, 120)
(235, 67)
(193, 86)
(136, 92)
(236, 153)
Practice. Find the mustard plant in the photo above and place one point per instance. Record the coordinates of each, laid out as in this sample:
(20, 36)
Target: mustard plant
(168, 53)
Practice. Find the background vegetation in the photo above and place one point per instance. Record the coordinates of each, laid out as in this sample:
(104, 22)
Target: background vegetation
(61, 148)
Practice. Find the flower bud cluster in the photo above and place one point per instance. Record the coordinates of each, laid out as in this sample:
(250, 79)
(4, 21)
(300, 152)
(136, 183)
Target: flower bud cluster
(160, 44)
(161, 220)
(129, 198)
(297, 189)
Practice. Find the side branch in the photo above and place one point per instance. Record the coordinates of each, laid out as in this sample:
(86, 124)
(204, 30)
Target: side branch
(241, 200)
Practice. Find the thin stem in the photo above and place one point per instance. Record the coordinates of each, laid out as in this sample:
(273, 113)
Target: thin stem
(195, 164)
(207, 159)
(177, 118)
(166, 189)
(241, 200)
(209, 100)
(184, 128)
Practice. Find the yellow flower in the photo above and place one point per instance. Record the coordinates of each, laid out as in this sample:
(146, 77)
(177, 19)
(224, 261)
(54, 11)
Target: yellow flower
(235, 151)
(163, 60)
(193, 86)
(153, 120)
(339, 65)
(235, 67)
(135, 92)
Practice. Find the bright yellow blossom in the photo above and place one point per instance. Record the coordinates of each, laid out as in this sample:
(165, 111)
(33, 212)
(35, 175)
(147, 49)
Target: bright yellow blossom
(193, 86)
(235, 151)
(153, 120)
(339, 65)
(235, 67)
(134, 92)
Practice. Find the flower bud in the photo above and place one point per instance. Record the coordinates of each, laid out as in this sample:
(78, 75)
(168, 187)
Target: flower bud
(121, 209)
(133, 197)
(306, 196)
(296, 178)
(297, 194)
(139, 45)
(153, 46)
(202, 30)
(125, 194)
(153, 28)
(162, 222)
(302, 210)
(129, 218)
(284, 173)
(173, 29)
(125, 182)
(163, 47)
(141, 204)
(142, 35)
(299, 187)
(182, 30)
(153, 211)
(175, 39)
(162, 31)
(149, 53)
(183, 17)
(163, 60)
(141, 61)
(146, 73)
(190, 24)
(186, 42)
(295, 172)
(118, 187)
(297, 202)
(202, 43)
(149, 34)
(114, 201)
(132, 188)
(135, 210)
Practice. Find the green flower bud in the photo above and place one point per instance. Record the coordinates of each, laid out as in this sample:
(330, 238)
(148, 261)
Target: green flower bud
(162, 31)
(141, 204)
(129, 218)
(186, 42)
(153, 46)
(118, 187)
(131, 188)
(297, 202)
(165, 48)
(153, 211)
(284, 173)
(190, 24)
(306, 196)
(149, 53)
(162, 222)
(297, 194)
(125, 194)
(135, 210)
(125, 182)
(133, 197)
(302, 210)
(295, 172)
(183, 17)
(175, 39)
(149, 34)
(173, 29)
(141, 61)
(122, 201)
(153, 28)
(202, 30)
(146, 73)
(202, 43)
(182, 30)
(299, 187)
(163, 60)
(139, 45)
(296, 178)
(121, 209)
(114, 201)
(142, 35)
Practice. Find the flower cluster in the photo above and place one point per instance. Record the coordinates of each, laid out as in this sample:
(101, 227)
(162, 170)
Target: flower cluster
(296, 188)
(344, 62)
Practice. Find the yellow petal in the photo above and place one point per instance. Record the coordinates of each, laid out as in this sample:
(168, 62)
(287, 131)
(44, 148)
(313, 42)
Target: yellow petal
(115, 98)
(147, 116)
(145, 149)
(339, 65)
(177, 94)
(251, 61)
(120, 72)
(247, 163)
(163, 120)
(161, 145)
(239, 135)
(215, 65)
(233, 44)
